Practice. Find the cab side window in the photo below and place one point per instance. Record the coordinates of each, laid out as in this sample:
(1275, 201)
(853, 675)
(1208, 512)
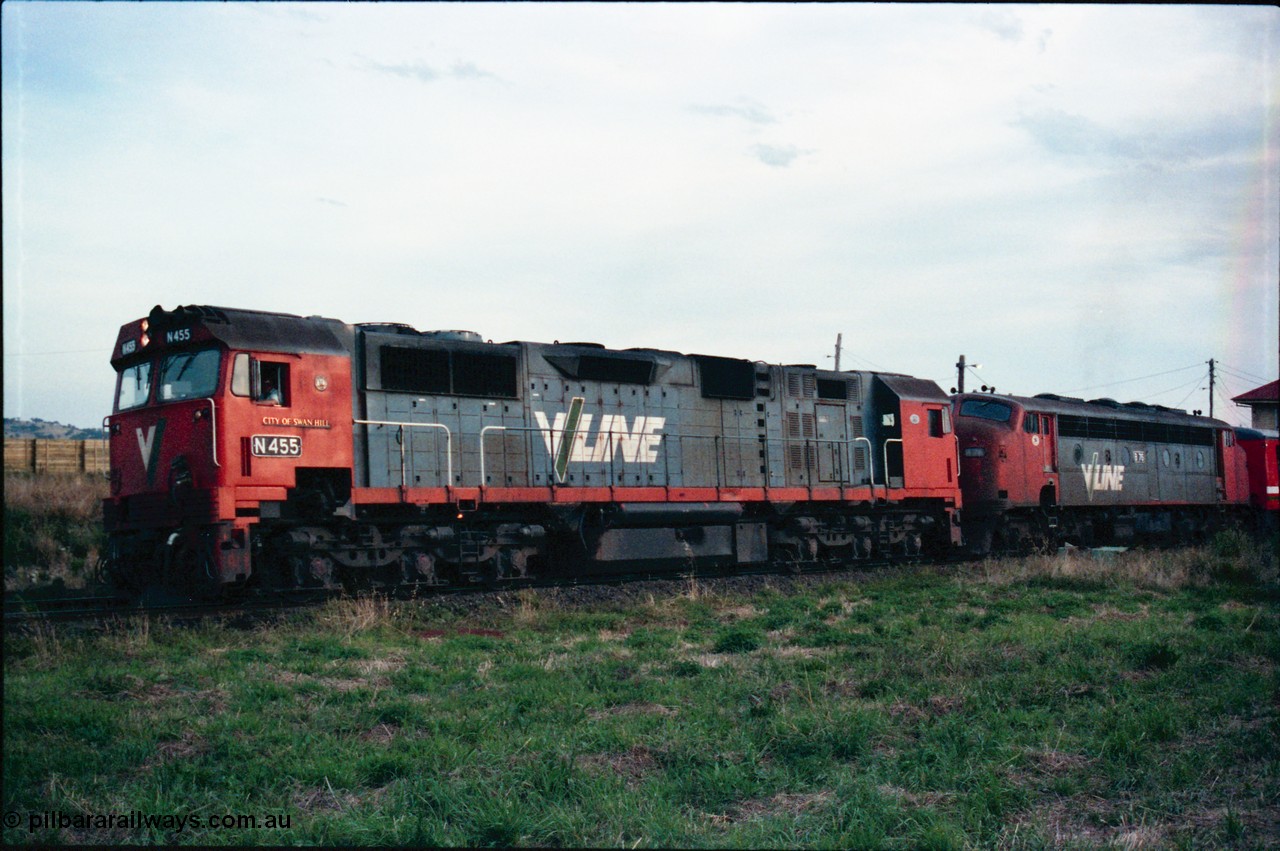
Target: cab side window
(273, 383)
(1031, 423)
(935, 422)
(266, 382)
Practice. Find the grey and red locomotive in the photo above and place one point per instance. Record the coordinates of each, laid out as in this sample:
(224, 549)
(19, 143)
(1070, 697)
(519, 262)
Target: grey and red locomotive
(1039, 470)
(252, 448)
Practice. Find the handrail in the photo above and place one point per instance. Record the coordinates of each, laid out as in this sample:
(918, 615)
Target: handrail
(529, 430)
(448, 444)
(482, 434)
(213, 420)
(886, 464)
(871, 481)
(720, 448)
(871, 467)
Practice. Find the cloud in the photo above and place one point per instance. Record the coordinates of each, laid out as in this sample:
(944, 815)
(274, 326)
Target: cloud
(750, 112)
(778, 156)
(1003, 23)
(425, 73)
(409, 71)
(1075, 136)
(469, 71)
(1064, 133)
(883, 153)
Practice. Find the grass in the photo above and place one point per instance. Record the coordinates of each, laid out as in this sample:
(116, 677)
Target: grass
(52, 529)
(1051, 702)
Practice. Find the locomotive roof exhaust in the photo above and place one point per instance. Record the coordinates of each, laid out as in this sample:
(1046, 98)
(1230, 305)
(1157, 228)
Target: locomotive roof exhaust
(456, 336)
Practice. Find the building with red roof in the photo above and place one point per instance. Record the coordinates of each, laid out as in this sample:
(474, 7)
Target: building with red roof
(1263, 404)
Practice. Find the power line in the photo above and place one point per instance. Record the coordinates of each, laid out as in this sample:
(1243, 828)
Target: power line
(1188, 396)
(1223, 381)
(1241, 374)
(1223, 400)
(1237, 413)
(1195, 380)
(39, 354)
(873, 364)
(984, 379)
(1131, 380)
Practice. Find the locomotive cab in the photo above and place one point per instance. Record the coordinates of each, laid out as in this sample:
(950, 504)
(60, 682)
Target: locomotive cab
(1053, 468)
(1008, 455)
(164, 451)
(1008, 471)
(209, 426)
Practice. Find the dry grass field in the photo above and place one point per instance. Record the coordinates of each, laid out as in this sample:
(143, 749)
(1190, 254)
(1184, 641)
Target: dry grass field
(52, 529)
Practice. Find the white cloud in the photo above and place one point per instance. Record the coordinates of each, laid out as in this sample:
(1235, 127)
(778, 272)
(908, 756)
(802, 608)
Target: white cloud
(1090, 183)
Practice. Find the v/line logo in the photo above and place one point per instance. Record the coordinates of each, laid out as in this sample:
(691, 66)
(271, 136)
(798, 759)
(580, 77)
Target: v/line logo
(570, 437)
(1102, 477)
(149, 447)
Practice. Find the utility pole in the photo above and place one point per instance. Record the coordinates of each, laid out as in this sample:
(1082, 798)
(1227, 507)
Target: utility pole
(1210, 387)
(960, 372)
(839, 338)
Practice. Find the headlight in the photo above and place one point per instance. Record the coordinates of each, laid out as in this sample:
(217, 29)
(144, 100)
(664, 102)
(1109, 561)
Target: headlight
(975, 452)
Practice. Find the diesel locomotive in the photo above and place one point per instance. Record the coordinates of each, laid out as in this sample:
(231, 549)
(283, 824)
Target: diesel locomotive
(1035, 471)
(267, 449)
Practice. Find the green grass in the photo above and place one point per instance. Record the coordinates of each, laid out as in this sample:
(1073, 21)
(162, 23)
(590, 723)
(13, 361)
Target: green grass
(1052, 702)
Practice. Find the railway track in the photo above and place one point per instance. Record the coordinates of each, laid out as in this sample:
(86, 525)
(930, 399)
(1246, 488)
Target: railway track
(19, 609)
(91, 605)
(25, 606)
(22, 608)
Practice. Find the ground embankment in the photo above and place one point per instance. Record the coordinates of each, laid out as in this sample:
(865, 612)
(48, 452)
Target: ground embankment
(52, 529)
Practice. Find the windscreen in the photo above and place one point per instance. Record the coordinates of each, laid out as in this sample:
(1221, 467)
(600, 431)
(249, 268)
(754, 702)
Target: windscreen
(135, 386)
(189, 375)
(987, 409)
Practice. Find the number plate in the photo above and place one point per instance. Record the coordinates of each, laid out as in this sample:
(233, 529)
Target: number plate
(275, 446)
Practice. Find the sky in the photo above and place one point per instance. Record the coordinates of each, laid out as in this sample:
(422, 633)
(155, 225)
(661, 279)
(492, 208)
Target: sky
(1082, 199)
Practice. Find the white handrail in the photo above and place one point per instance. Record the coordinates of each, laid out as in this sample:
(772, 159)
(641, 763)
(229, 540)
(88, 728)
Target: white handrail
(482, 434)
(213, 419)
(448, 444)
(886, 465)
(871, 467)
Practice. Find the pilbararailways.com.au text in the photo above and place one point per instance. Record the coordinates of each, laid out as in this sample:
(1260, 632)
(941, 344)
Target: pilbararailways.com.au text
(138, 820)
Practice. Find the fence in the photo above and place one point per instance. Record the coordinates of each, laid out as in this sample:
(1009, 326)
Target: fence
(38, 455)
